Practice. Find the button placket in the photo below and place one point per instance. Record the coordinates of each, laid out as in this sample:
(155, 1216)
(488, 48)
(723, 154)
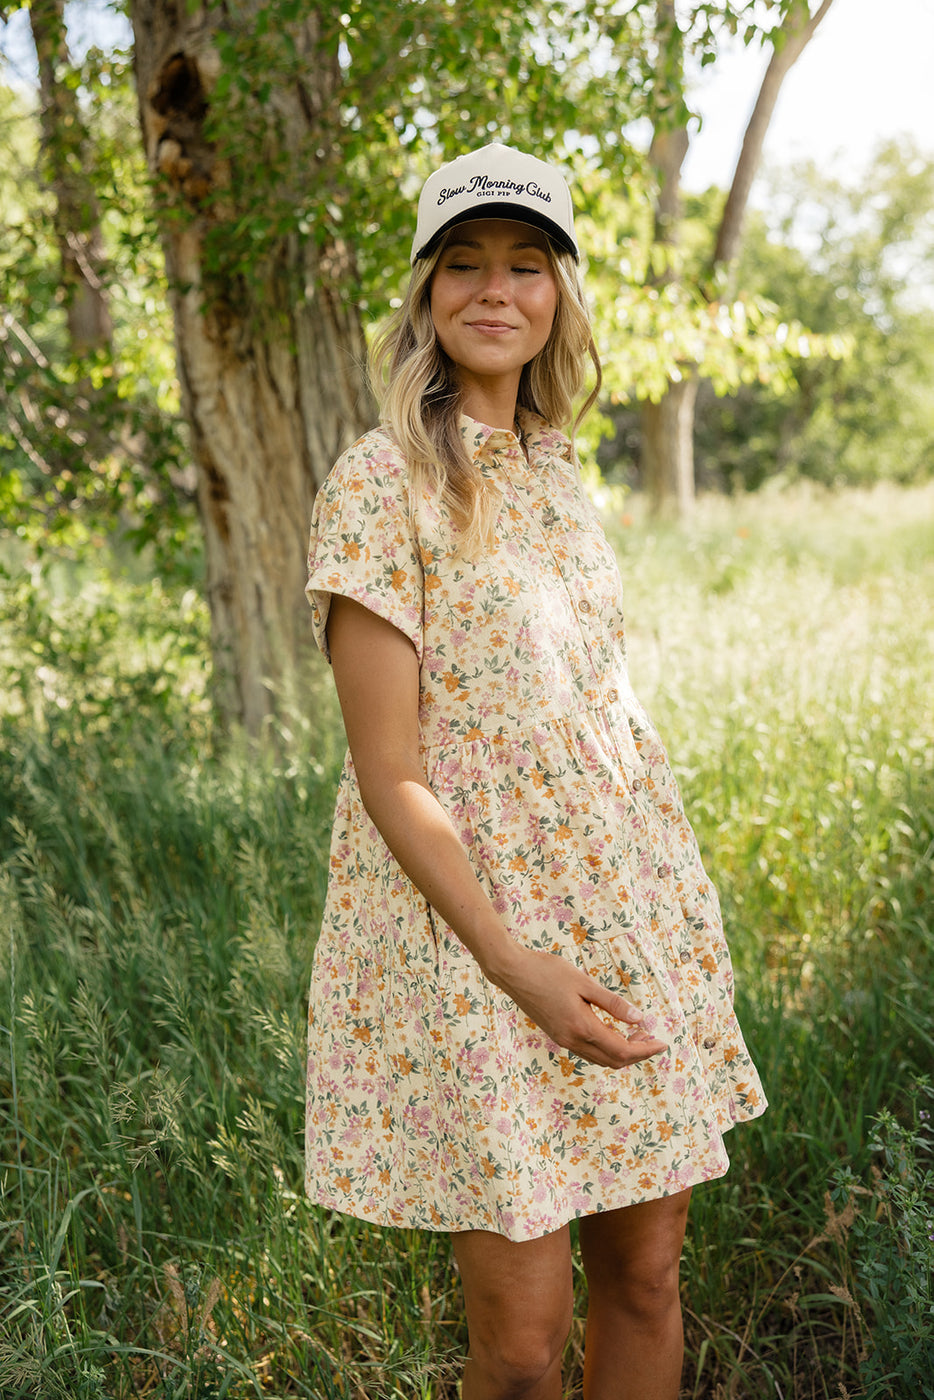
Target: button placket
(581, 605)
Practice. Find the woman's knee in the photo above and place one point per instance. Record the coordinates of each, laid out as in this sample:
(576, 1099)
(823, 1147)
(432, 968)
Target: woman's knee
(632, 1261)
(519, 1301)
(517, 1357)
(649, 1291)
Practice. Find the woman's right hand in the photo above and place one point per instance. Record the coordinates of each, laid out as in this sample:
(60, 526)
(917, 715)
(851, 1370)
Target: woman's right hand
(561, 998)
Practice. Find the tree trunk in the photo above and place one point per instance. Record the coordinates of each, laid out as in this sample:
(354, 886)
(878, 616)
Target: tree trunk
(64, 157)
(668, 449)
(668, 427)
(272, 380)
(798, 32)
(667, 455)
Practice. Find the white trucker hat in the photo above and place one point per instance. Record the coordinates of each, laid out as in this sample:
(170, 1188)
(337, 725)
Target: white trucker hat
(495, 182)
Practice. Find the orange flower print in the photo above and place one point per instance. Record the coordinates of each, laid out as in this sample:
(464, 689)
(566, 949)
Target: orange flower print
(569, 1068)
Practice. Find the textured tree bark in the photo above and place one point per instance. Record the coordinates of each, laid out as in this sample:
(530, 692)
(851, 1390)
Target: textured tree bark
(668, 450)
(273, 385)
(76, 217)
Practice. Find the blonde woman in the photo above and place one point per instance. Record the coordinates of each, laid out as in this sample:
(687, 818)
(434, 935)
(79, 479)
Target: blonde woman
(521, 1007)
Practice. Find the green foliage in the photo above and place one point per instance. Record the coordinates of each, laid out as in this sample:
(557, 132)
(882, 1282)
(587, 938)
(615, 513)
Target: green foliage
(90, 446)
(160, 895)
(656, 325)
(383, 116)
(851, 260)
(97, 446)
(849, 403)
(84, 651)
(892, 1239)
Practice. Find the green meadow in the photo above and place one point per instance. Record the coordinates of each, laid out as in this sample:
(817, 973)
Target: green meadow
(159, 896)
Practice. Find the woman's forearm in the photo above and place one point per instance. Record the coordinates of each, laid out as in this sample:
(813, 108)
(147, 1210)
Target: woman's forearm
(421, 837)
(377, 676)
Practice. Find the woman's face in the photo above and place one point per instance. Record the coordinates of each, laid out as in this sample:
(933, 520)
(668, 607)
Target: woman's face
(493, 301)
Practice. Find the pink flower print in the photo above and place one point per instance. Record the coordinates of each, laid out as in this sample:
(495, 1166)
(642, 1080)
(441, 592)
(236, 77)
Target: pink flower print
(474, 1058)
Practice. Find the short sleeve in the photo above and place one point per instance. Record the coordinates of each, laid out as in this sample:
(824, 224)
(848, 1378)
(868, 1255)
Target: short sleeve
(363, 543)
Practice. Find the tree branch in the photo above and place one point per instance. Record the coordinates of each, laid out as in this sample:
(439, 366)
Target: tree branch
(796, 38)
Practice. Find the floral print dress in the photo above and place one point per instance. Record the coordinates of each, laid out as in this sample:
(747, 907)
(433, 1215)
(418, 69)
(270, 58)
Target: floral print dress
(433, 1101)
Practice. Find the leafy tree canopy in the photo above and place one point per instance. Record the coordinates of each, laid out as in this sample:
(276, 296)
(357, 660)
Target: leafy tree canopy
(97, 442)
(855, 258)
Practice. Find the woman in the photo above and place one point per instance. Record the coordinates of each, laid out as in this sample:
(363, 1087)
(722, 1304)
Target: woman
(521, 1008)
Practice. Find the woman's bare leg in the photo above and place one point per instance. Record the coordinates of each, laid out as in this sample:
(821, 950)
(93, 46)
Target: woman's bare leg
(635, 1339)
(519, 1301)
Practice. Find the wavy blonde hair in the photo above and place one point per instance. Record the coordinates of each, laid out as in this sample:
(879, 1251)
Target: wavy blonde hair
(420, 399)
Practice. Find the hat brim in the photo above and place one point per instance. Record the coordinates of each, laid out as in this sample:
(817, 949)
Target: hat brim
(502, 209)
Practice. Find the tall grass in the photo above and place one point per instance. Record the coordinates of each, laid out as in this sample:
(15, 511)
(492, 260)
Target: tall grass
(160, 896)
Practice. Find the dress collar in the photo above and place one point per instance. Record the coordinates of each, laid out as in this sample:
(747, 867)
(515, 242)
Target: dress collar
(541, 440)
